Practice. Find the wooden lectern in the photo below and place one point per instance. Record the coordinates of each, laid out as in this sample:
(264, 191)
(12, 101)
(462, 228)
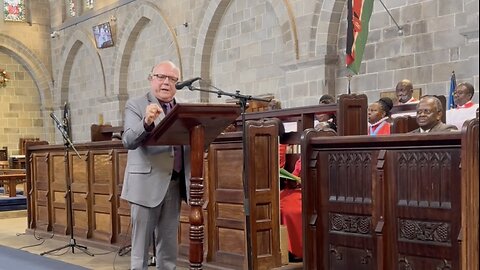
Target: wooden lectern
(196, 125)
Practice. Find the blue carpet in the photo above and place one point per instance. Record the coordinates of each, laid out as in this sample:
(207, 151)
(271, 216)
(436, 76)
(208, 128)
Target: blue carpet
(13, 203)
(11, 258)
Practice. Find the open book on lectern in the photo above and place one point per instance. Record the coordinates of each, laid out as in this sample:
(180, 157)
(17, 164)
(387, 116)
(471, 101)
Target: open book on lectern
(175, 128)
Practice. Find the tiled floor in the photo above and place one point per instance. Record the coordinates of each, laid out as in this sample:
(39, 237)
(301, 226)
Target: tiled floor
(13, 225)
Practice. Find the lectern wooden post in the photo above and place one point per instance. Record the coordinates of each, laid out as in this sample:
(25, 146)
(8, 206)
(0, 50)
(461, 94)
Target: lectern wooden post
(196, 125)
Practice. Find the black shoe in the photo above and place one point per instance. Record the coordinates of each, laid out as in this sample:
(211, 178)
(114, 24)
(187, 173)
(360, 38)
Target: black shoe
(292, 258)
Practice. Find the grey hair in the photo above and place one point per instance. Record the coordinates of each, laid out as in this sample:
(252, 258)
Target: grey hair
(437, 102)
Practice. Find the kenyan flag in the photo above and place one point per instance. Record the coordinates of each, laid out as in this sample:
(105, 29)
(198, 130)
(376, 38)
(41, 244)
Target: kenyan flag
(359, 12)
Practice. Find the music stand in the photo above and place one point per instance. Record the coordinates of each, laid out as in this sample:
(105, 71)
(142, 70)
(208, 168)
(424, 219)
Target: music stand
(68, 144)
(196, 125)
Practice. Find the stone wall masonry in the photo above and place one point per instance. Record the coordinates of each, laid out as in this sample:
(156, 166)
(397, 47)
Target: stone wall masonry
(293, 49)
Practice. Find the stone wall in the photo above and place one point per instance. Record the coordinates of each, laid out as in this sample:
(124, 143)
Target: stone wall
(292, 49)
(20, 110)
(26, 102)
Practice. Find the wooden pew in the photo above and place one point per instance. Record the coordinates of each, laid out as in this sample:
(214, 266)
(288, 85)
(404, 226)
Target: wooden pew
(105, 132)
(391, 202)
(102, 218)
(11, 180)
(403, 124)
(412, 108)
(351, 111)
(224, 177)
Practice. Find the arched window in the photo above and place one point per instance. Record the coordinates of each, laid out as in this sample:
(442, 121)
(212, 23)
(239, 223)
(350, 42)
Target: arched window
(88, 5)
(71, 8)
(14, 10)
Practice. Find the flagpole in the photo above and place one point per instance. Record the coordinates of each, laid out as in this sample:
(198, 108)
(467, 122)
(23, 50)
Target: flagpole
(349, 76)
(453, 85)
(400, 29)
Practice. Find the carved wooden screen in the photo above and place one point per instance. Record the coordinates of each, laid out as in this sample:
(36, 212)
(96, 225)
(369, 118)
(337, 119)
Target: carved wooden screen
(424, 213)
(345, 205)
(382, 202)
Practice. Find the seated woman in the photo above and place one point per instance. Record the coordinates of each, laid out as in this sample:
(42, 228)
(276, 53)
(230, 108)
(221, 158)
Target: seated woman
(291, 214)
(379, 117)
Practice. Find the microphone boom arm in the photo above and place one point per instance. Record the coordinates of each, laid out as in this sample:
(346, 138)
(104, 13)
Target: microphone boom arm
(221, 93)
(64, 133)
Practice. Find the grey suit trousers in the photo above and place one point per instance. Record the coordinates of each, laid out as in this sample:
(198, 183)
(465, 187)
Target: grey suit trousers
(164, 219)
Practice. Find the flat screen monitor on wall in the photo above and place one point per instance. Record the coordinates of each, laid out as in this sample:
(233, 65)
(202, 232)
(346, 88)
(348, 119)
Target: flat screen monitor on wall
(103, 35)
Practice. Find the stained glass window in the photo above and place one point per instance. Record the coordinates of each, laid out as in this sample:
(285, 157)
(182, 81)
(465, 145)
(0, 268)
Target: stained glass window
(71, 8)
(14, 10)
(88, 4)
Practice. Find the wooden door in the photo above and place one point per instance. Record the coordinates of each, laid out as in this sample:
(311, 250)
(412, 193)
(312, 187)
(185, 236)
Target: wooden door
(226, 242)
(263, 185)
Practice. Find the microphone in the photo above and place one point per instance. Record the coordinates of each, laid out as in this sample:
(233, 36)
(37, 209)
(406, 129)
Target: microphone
(59, 125)
(188, 83)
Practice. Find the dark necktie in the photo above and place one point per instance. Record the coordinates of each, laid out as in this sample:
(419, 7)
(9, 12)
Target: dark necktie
(177, 149)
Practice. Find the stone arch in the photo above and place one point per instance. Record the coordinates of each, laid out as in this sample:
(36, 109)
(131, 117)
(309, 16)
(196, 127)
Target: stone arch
(285, 15)
(145, 13)
(331, 13)
(325, 44)
(211, 22)
(312, 35)
(36, 69)
(69, 52)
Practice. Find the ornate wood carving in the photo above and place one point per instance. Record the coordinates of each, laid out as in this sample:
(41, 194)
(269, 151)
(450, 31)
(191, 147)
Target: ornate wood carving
(350, 223)
(350, 177)
(424, 231)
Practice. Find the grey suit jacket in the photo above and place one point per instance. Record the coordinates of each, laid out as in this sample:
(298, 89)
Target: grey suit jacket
(149, 168)
(440, 127)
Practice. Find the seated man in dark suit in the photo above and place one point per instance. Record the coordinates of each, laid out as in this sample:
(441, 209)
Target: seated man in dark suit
(429, 115)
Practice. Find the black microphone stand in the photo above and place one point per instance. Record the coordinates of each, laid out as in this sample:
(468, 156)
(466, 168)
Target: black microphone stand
(68, 144)
(242, 101)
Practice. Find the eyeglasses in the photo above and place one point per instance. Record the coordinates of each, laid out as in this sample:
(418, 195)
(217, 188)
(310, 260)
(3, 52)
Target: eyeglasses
(419, 112)
(163, 77)
(459, 92)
